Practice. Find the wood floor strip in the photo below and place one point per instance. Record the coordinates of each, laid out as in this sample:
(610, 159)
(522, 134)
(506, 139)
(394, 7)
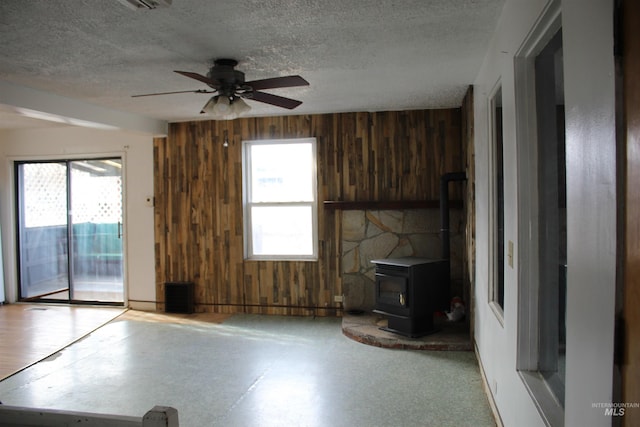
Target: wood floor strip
(32, 332)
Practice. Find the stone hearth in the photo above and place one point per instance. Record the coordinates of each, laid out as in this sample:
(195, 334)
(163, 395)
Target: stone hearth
(449, 336)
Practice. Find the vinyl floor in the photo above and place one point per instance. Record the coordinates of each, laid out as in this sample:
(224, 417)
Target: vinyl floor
(252, 370)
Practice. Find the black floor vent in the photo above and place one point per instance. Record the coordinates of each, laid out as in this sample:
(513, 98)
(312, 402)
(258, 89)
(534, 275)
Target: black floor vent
(178, 297)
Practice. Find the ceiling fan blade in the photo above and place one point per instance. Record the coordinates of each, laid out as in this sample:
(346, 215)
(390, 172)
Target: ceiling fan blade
(170, 93)
(211, 82)
(278, 101)
(276, 82)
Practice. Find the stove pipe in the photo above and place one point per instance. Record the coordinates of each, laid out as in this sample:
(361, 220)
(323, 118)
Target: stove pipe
(444, 208)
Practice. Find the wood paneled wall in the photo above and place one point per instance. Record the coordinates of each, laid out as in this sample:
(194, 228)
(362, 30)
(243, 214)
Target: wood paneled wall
(390, 156)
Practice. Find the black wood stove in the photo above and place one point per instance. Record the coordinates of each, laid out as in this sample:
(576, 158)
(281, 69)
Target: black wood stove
(409, 291)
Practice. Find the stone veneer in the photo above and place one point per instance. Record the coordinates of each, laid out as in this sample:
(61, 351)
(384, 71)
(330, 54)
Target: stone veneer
(375, 234)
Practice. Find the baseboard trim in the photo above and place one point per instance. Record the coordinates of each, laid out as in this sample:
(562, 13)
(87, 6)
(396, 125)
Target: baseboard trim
(487, 391)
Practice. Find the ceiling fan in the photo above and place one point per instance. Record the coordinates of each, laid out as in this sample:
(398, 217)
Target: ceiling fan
(230, 88)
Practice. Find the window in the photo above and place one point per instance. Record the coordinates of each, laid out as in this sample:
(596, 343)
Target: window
(552, 215)
(497, 204)
(280, 201)
(542, 217)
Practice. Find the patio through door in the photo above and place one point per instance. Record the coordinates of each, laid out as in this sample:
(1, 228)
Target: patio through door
(69, 217)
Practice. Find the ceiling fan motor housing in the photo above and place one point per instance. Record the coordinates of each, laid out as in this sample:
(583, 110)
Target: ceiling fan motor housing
(230, 78)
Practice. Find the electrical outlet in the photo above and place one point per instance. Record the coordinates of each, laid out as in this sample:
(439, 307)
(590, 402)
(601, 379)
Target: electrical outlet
(338, 298)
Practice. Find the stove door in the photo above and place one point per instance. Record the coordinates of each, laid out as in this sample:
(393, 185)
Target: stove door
(392, 294)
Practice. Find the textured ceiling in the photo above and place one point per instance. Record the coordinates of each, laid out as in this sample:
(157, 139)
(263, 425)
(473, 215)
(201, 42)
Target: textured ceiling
(358, 55)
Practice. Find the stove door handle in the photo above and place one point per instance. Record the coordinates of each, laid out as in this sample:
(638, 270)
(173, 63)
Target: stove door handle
(402, 300)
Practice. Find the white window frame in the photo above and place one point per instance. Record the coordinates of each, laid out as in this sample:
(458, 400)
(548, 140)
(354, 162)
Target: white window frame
(494, 276)
(248, 204)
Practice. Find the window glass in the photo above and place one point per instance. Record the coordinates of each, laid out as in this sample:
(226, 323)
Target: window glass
(497, 288)
(282, 230)
(281, 172)
(552, 215)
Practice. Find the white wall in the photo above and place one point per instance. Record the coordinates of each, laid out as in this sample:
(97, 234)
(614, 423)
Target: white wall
(73, 142)
(496, 342)
(588, 50)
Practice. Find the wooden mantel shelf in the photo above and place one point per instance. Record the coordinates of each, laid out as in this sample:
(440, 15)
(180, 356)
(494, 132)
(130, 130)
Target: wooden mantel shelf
(390, 204)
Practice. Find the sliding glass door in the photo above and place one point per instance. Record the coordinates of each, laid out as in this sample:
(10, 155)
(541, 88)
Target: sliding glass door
(42, 229)
(70, 230)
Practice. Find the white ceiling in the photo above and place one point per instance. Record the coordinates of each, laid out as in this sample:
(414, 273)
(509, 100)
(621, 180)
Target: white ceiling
(358, 55)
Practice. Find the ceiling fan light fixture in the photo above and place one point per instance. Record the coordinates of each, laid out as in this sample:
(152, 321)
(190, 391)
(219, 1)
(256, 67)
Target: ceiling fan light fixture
(208, 107)
(224, 108)
(240, 107)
